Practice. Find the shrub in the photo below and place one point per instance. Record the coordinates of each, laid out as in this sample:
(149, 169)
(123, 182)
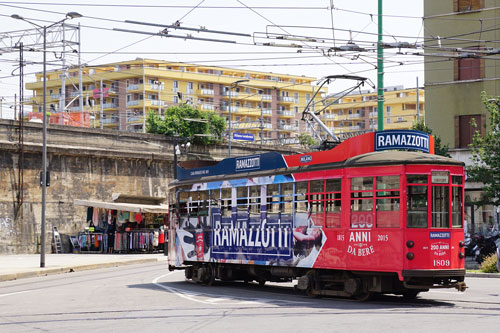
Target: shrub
(489, 265)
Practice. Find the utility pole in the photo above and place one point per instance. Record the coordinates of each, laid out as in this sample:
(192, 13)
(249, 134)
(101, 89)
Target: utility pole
(380, 71)
(80, 79)
(418, 103)
(101, 115)
(261, 120)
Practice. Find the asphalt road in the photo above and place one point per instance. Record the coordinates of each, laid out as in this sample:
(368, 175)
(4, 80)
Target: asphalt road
(148, 298)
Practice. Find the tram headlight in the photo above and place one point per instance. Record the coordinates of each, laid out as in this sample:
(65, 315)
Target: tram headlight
(461, 244)
(410, 244)
(461, 255)
(410, 255)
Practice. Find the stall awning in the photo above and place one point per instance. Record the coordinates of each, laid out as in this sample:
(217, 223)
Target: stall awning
(125, 207)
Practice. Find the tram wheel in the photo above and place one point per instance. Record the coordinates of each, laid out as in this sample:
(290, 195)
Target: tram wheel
(364, 296)
(211, 275)
(262, 282)
(311, 290)
(410, 294)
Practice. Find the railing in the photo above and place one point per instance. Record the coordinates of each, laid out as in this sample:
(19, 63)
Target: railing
(55, 96)
(287, 113)
(133, 87)
(156, 86)
(74, 94)
(189, 91)
(287, 99)
(267, 97)
(109, 105)
(354, 128)
(373, 114)
(133, 102)
(267, 111)
(207, 92)
(156, 102)
(354, 116)
(208, 107)
(231, 93)
(288, 127)
(329, 116)
(133, 118)
(113, 120)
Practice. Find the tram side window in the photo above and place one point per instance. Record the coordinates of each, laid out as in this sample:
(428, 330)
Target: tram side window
(362, 202)
(388, 200)
(273, 205)
(242, 202)
(457, 202)
(416, 205)
(333, 202)
(226, 202)
(316, 202)
(300, 202)
(254, 201)
(286, 201)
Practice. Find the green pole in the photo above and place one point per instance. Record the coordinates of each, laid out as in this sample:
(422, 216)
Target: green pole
(380, 71)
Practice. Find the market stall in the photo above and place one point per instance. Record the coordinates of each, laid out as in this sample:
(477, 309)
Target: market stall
(127, 224)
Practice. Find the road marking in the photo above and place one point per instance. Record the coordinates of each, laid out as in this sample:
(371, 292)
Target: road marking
(15, 293)
(212, 299)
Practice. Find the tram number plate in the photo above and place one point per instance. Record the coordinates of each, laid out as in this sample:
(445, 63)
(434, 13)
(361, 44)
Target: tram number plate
(441, 263)
(362, 221)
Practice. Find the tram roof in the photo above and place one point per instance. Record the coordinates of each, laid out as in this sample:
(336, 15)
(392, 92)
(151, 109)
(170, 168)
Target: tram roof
(375, 148)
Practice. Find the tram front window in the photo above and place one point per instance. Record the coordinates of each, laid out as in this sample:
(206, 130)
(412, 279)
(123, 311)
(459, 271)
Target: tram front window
(440, 207)
(417, 206)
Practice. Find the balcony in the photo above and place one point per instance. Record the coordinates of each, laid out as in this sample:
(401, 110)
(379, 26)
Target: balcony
(231, 93)
(266, 97)
(354, 116)
(133, 103)
(287, 114)
(74, 94)
(287, 99)
(155, 87)
(209, 92)
(109, 106)
(355, 128)
(373, 114)
(267, 112)
(288, 127)
(207, 107)
(189, 91)
(132, 87)
(134, 119)
(113, 120)
(329, 116)
(55, 96)
(156, 102)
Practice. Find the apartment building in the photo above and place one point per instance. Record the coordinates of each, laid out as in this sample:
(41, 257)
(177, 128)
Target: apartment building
(358, 110)
(461, 61)
(119, 95)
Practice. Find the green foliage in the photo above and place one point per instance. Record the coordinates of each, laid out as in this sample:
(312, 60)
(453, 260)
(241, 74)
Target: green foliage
(489, 265)
(439, 148)
(307, 141)
(485, 166)
(186, 121)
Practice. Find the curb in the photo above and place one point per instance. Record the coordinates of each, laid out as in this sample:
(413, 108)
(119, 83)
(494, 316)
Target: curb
(483, 275)
(70, 269)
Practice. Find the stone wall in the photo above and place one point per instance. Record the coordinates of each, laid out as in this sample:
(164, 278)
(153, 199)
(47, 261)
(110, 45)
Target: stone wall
(85, 164)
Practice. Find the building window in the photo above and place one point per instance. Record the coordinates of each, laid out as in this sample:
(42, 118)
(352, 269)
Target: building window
(468, 69)
(464, 131)
(467, 5)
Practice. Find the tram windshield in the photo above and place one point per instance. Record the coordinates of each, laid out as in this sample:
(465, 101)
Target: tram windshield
(440, 188)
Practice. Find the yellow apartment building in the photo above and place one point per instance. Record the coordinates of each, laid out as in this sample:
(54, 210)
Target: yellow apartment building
(119, 95)
(358, 111)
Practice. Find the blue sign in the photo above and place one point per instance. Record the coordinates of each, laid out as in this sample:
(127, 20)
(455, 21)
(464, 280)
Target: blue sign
(439, 235)
(243, 136)
(248, 163)
(402, 139)
(306, 159)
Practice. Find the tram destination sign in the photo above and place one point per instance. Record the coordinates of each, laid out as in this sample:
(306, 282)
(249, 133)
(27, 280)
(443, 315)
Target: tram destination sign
(402, 139)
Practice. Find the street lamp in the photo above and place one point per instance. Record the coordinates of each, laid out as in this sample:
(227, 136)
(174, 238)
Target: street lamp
(70, 15)
(178, 152)
(234, 84)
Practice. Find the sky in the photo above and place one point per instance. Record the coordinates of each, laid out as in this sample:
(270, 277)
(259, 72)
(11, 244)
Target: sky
(302, 28)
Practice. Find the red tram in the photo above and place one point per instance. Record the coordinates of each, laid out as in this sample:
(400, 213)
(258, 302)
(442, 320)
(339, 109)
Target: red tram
(361, 218)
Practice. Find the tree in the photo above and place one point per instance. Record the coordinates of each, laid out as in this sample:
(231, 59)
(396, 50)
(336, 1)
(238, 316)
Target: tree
(307, 141)
(185, 121)
(485, 166)
(439, 148)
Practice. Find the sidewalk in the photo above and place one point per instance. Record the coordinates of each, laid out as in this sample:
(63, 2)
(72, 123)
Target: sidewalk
(13, 267)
